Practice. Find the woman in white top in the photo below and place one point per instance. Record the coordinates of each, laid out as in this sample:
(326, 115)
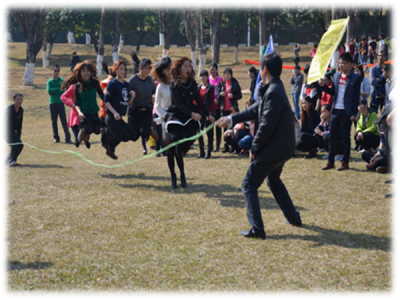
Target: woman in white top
(162, 73)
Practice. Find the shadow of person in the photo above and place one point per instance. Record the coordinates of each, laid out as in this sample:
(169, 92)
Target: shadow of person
(339, 238)
(17, 265)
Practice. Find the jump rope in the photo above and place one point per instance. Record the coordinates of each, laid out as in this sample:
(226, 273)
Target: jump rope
(127, 163)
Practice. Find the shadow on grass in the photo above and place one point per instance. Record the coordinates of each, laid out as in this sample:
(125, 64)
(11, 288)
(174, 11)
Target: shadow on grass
(16, 265)
(34, 166)
(339, 238)
(227, 195)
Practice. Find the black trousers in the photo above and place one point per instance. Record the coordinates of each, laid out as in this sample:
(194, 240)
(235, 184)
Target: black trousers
(370, 140)
(12, 138)
(210, 136)
(376, 104)
(271, 171)
(58, 110)
(120, 129)
(339, 117)
(140, 121)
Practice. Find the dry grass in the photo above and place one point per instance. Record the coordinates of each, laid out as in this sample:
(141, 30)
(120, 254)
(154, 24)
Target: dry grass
(73, 226)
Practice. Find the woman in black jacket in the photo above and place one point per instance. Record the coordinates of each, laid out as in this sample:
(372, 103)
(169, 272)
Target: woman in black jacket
(206, 91)
(229, 93)
(183, 117)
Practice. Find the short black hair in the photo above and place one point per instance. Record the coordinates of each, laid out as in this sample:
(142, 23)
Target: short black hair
(229, 70)
(203, 73)
(328, 107)
(363, 102)
(346, 56)
(56, 67)
(253, 70)
(273, 62)
(17, 94)
(328, 76)
(387, 67)
(306, 68)
(297, 67)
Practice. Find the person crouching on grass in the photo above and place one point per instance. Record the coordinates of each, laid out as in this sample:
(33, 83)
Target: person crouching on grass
(14, 115)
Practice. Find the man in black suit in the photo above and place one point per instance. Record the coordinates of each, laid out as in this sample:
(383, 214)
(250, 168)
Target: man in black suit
(273, 145)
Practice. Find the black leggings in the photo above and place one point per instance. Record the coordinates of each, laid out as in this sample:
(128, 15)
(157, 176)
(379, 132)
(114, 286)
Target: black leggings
(140, 121)
(90, 124)
(178, 132)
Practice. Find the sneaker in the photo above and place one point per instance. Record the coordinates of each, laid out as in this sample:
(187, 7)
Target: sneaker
(13, 163)
(68, 141)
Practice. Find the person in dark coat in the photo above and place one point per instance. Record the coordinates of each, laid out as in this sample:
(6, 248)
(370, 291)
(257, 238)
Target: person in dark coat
(273, 145)
(14, 116)
(74, 61)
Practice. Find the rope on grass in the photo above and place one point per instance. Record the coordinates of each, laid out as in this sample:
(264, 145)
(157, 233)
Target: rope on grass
(120, 165)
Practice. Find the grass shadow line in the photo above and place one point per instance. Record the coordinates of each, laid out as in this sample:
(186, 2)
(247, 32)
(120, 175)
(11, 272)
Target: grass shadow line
(339, 238)
(17, 265)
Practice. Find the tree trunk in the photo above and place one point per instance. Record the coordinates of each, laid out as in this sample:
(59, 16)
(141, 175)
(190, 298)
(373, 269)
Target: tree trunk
(262, 33)
(354, 14)
(9, 38)
(191, 29)
(236, 54)
(71, 38)
(50, 51)
(200, 37)
(100, 54)
(115, 37)
(121, 43)
(31, 23)
(216, 18)
(193, 58)
(87, 40)
(44, 57)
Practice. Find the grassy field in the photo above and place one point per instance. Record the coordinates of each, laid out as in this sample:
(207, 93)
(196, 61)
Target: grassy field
(72, 226)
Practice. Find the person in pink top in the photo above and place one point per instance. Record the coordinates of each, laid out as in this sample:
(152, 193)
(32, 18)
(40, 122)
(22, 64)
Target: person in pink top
(68, 98)
(214, 80)
(229, 93)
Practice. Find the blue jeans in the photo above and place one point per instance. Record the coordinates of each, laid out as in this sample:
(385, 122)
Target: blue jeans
(245, 142)
(296, 105)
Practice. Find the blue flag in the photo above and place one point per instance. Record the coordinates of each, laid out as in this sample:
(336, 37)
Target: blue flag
(269, 49)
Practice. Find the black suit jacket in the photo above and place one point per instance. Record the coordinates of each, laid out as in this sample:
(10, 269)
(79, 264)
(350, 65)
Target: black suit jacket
(274, 138)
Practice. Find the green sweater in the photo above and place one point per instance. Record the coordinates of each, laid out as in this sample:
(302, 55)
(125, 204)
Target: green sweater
(53, 88)
(86, 99)
(370, 126)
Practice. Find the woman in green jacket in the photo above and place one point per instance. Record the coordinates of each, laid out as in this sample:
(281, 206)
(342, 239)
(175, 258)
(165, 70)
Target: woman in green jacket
(367, 133)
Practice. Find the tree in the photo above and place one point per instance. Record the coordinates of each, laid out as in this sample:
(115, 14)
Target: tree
(100, 54)
(191, 22)
(200, 38)
(354, 13)
(31, 23)
(215, 20)
(82, 22)
(262, 33)
(116, 35)
(53, 28)
(236, 21)
(169, 22)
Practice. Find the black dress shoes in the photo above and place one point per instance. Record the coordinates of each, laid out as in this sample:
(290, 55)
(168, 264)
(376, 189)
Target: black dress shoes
(253, 234)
